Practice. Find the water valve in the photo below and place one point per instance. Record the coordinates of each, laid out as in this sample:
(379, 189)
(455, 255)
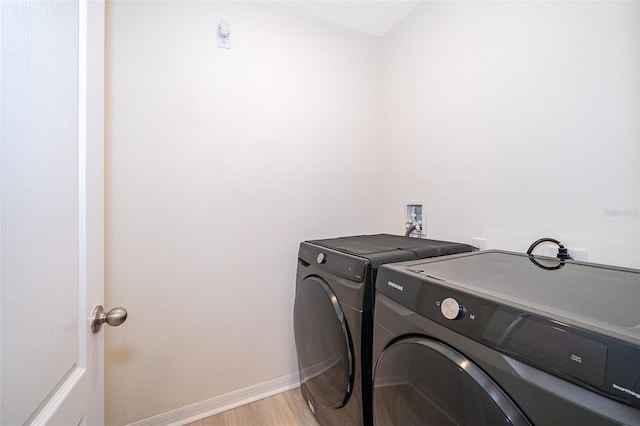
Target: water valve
(415, 223)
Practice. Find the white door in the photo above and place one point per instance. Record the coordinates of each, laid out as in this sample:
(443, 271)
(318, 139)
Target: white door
(51, 211)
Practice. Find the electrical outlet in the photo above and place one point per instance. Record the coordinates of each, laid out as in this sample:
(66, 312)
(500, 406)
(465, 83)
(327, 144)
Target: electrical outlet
(575, 253)
(479, 243)
(578, 254)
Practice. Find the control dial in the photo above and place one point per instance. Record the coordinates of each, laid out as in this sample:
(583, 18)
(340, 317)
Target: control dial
(451, 309)
(322, 258)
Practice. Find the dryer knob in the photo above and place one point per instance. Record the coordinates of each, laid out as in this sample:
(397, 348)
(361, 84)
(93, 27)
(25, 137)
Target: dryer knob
(322, 258)
(451, 309)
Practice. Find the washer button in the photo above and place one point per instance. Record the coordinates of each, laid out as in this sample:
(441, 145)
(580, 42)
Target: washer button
(322, 258)
(451, 309)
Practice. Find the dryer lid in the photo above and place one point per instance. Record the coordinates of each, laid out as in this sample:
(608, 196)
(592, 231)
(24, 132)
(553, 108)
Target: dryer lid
(323, 343)
(418, 378)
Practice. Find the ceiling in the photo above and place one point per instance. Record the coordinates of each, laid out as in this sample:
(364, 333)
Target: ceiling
(371, 17)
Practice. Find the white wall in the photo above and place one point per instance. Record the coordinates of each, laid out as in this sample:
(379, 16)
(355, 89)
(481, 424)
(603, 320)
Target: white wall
(219, 162)
(511, 120)
(517, 120)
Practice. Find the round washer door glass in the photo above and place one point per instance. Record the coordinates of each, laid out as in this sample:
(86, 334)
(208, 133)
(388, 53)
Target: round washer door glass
(419, 381)
(323, 343)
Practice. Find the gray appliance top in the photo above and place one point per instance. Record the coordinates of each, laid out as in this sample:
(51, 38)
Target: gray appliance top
(385, 248)
(599, 296)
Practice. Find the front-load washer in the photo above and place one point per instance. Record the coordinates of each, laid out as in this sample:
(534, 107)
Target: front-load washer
(501, 338)
(333, 319)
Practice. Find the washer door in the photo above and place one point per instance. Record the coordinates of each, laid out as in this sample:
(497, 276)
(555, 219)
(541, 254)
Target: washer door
(420, 381)
(323, 343)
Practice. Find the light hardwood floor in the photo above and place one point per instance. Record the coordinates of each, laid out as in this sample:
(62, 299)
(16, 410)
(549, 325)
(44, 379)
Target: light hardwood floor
(284, 409)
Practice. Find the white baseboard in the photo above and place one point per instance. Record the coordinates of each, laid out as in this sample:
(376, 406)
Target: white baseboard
(218, 404)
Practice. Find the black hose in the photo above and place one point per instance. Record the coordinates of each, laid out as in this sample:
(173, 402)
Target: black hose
(563, 253)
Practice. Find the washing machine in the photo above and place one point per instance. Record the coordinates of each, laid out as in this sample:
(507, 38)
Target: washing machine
(333, 322)
(500, 338)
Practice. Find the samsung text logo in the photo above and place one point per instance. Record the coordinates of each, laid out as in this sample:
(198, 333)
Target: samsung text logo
(625, 390)
(394, 285)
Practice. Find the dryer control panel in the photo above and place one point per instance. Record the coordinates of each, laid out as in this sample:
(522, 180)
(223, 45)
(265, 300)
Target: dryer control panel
(341, 264)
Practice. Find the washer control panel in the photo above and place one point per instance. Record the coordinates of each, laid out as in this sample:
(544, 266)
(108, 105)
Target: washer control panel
(547, 342)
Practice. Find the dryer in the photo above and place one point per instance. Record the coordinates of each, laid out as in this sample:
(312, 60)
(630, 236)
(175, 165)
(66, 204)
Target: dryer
(501, 338)
(333, 319)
